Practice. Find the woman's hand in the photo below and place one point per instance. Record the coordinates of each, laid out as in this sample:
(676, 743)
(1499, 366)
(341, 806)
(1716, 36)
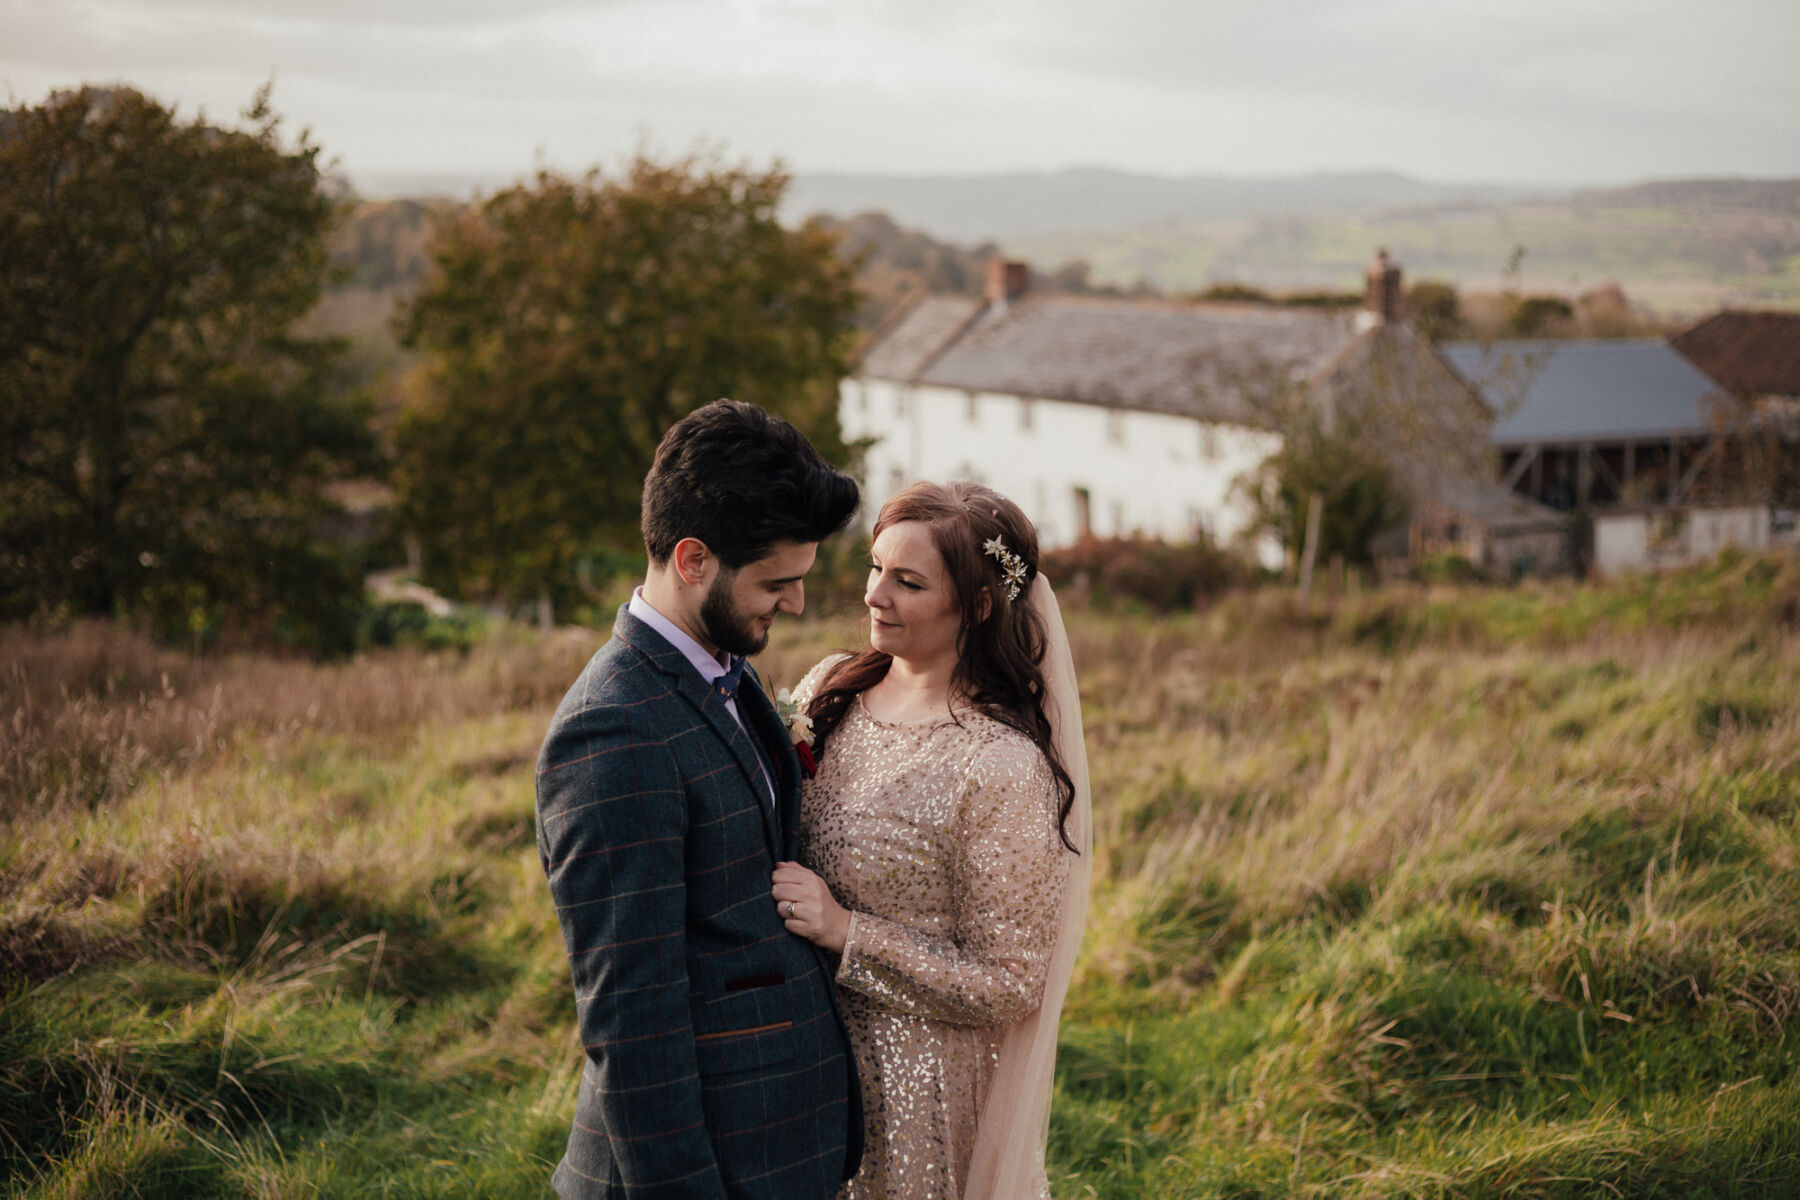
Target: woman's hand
(806, 905)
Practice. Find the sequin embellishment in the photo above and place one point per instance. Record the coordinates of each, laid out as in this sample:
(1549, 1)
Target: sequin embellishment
(941, 839)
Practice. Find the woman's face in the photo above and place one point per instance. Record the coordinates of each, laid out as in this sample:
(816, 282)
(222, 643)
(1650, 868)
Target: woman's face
(913, 612)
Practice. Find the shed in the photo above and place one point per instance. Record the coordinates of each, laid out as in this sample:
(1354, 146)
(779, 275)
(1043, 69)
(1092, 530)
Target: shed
(1578, 424)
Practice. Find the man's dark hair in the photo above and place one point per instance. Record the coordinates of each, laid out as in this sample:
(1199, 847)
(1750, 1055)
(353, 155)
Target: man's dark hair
(741, 480)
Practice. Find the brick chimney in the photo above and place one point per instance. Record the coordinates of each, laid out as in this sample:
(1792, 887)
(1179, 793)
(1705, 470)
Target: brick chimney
(1381, 291)
(1005, 281)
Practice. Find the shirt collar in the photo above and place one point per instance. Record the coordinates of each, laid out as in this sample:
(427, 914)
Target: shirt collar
(709, 667)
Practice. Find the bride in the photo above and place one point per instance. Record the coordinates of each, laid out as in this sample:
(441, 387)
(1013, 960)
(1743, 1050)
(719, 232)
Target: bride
(945, 836)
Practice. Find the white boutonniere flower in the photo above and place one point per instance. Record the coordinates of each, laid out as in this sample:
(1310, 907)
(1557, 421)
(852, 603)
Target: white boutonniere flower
(799, 725)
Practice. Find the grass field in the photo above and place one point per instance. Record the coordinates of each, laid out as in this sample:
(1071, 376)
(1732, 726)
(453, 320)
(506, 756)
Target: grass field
(1673, 262)
(1446, 893)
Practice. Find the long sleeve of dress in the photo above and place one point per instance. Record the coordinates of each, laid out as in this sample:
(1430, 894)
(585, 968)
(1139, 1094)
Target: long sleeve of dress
(1007, 870)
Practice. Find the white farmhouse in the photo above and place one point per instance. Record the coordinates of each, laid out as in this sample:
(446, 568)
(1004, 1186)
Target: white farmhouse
(1098, 416)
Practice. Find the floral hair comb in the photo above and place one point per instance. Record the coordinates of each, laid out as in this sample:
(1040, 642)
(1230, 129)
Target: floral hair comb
(1012, 567)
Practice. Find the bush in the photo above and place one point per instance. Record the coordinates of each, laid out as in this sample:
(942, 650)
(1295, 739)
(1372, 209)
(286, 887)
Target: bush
(1161, 576)
(405, 623)
(1448, 567)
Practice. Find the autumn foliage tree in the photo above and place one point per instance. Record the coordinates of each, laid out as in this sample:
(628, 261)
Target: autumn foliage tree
(566, 324)
(164, 438)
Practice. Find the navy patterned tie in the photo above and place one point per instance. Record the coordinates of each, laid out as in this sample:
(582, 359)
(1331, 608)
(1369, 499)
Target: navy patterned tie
(728, 682)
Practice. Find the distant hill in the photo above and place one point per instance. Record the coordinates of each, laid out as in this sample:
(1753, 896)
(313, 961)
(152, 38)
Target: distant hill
(1759, 195)
(973, 208)
(1677, 247)
(433, 185)
(978, 208)
(379, 251)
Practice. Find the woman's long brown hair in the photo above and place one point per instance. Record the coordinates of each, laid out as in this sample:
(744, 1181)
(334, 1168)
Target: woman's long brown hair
(1000, 656)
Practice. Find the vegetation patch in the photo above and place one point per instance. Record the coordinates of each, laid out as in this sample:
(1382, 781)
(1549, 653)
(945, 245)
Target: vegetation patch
(1371, 916)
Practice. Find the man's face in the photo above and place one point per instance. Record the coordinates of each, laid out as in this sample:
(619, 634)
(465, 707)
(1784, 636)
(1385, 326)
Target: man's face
(741, 604)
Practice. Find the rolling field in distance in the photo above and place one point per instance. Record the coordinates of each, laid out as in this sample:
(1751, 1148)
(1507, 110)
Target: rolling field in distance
(1673, 261)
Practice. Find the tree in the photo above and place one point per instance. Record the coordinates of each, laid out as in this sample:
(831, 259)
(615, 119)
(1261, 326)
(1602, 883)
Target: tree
(166, 440)
(1534, 316)
(1389, 429)
(1355, 491)
(1435, 309)
(566, 325)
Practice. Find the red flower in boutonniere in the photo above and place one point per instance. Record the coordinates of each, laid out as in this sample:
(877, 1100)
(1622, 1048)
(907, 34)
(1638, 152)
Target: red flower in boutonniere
(799, 728)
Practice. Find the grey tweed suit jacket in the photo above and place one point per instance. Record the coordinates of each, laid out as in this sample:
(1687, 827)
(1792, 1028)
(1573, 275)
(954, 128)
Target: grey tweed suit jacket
(717, 1063)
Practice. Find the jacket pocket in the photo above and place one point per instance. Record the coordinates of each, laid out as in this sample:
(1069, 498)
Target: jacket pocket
(749, 983)
(719, 1052)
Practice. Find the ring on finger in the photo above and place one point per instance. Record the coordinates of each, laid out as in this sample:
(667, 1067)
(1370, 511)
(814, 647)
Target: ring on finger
(790, 909)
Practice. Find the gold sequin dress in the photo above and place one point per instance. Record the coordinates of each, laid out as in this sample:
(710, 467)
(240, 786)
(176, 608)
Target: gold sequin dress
(941, 838)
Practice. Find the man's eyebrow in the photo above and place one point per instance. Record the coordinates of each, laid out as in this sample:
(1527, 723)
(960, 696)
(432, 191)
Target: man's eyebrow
(784, 580)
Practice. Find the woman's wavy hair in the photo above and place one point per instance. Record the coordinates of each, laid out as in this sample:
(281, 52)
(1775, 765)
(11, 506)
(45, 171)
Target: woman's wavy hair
(1000, 654)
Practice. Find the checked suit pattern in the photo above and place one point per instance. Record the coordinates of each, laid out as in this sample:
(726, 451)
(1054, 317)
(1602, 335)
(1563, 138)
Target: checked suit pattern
(716, 1060)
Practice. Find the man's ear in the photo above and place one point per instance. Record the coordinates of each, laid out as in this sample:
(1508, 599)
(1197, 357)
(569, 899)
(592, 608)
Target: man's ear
(690, 560)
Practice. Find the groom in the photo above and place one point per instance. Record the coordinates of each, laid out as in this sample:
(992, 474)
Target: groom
(667, 790)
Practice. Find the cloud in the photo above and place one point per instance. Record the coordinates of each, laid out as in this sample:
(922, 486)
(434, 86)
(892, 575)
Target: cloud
(1418, 51)
(334, 14)
(1528, 89)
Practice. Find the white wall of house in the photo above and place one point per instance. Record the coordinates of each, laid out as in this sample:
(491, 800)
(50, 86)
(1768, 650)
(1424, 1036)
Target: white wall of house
(1710, 530)
(1133, 472)
(1638, 540)
(1621, 542)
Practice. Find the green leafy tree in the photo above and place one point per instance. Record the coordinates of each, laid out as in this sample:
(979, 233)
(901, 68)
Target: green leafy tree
(166, 439)
(566, 324)
(1534, 316)
(1356, 490)
(1434, 308)
(1391, 427)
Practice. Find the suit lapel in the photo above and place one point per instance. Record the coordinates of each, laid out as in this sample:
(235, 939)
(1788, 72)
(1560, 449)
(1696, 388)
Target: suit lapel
(719, 717)
(762, 718)
(710, 706)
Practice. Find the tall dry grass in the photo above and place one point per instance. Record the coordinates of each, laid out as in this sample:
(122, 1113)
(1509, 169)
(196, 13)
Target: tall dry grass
(90, 711)
(1422, 893)
(1422, 896)
(248, 896)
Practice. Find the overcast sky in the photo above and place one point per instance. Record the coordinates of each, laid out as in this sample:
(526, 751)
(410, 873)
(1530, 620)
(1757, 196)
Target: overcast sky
(1526, 91)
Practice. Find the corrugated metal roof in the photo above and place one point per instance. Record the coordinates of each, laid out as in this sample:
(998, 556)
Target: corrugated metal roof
(1204, 360)
(1752, 353)
(1547, 391)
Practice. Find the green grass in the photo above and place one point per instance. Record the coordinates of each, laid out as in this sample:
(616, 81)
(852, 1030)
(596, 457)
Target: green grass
(1672, 261)
(1430, 892)
(1459, 892)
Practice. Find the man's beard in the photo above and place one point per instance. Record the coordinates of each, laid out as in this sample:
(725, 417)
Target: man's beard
(724, 624)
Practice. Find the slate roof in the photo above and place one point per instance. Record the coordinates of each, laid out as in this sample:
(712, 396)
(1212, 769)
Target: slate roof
(1564, 392)
(908, 342)
(1751, 353)
(1501, 509)
(1200, 360)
